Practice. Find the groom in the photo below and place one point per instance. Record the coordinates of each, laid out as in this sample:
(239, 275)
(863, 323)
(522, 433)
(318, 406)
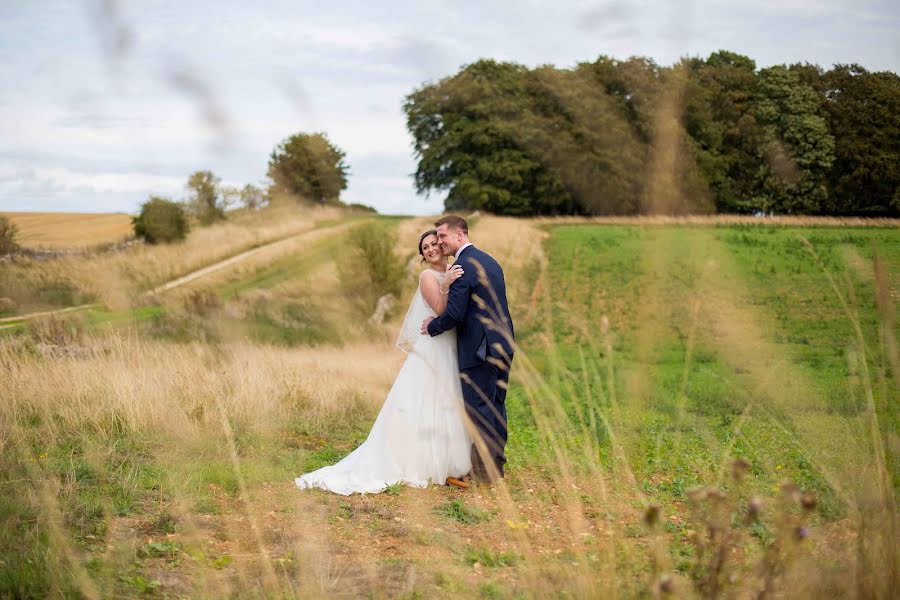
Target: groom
(476, 307)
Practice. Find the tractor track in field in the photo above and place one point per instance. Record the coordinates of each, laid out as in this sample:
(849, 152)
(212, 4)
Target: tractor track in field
(311, 235)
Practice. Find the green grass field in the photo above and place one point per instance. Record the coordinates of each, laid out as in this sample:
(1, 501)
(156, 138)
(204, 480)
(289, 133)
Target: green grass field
(651, 358)
(732, 330)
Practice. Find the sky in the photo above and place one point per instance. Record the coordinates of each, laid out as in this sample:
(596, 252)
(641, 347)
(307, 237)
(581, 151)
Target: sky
(104, 103)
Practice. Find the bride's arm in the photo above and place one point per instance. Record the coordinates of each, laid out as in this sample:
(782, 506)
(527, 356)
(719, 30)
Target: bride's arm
(435, 294)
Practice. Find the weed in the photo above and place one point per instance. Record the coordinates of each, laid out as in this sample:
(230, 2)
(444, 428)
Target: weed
(488, 558)
(394, 489)
(468, 515)
(169, 550)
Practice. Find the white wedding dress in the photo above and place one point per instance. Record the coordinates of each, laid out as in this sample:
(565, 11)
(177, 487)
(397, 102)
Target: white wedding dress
(420, 436)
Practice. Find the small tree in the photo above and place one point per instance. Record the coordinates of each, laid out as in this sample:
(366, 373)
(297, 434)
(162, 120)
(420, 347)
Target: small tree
(206, 202)
(160, 220)
(231, 195)
(252, 197)
(9, 234)
(309, 166)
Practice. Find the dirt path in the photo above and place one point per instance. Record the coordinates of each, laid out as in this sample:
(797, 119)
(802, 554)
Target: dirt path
(271, 247)
(46, 313)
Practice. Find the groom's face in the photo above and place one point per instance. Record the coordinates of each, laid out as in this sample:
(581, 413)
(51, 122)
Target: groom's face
(449, 239)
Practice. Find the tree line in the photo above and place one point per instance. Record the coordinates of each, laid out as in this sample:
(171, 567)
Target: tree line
(627, 137)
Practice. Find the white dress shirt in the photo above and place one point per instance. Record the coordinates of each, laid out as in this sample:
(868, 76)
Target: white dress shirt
(458, 252)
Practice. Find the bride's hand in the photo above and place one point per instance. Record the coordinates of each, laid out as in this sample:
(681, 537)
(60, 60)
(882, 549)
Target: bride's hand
(454, 272)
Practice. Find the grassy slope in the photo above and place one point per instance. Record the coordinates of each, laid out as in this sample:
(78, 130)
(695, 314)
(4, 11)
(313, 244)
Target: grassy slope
(228, 283)
(118, 278)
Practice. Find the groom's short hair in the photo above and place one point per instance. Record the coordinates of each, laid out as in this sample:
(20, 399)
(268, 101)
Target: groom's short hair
(453, 222)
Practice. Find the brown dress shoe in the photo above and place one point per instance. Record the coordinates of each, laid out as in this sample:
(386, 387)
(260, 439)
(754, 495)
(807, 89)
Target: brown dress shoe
(460, 483)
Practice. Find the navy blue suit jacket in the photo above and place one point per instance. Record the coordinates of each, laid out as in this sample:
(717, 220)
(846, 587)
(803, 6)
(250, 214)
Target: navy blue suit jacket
(477, 308)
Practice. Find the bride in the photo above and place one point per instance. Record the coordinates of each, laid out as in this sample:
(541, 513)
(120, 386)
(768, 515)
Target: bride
(420, 434)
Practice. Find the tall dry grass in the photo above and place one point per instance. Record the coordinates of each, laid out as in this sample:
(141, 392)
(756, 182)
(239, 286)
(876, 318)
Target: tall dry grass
(182, 389)
(182, 404)
(874, 502)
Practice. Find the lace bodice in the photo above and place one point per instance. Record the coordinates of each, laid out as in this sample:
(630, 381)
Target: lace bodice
(440, 275)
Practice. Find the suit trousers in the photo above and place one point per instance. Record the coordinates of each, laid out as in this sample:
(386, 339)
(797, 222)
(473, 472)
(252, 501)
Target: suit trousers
(486, 408)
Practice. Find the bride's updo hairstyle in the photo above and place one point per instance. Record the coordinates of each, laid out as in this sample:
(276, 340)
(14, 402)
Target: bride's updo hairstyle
(422, 239)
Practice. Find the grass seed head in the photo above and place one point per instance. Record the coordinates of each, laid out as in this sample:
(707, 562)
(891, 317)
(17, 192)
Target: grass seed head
(739, 469)
(696, 493)
(790, 491)
(652, 515)
(809, 502)
(666, 585)
(754, 507)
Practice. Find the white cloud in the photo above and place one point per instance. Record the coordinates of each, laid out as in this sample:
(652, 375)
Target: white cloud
(67, 180)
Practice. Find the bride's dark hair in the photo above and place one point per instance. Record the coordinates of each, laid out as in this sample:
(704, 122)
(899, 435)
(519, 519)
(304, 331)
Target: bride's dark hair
(422, 239)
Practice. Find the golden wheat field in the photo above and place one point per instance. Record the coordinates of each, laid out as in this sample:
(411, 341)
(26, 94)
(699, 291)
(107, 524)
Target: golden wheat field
(697, 409)
(70, 230)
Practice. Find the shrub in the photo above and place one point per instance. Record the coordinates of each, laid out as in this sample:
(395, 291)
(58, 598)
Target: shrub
(468, 515)
(296, 323)
(160, 220)
(483, 556)
(8, 236)
(722, 526)
(357, 207)
(371, 270)
(201, 302)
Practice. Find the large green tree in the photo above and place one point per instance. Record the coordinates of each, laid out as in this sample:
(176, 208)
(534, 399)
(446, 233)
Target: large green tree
(862, 109)
(499, 137)
(720, 117)
(634, 85)
(466, 143)
(651, 98)
(309, 166)
(573, 128)
(799, 149)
